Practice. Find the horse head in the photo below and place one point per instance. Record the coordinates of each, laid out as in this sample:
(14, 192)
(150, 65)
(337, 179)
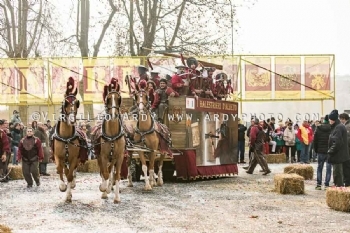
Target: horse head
(70, 103)
(112, 98)
(142, 98)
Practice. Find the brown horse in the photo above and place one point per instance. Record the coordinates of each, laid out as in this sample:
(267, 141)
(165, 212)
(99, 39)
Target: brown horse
(111, 141)
(147, 134)
(66, 145)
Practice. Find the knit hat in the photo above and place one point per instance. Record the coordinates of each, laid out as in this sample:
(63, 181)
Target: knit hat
(326, 120)
(333, 115)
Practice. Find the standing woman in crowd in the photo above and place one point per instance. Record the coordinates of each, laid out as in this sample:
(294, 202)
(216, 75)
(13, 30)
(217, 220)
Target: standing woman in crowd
(297, 142)
(16, 138)
(289, 139)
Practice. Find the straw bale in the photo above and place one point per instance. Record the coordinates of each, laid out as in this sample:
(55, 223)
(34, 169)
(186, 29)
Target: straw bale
(5, 229)
(16, 172)
(289, 184)
(276, 158)
(90, 166)
(304, 170)
(338, 198)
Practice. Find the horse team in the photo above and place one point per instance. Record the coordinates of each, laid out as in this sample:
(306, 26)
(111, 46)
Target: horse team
(109, 141)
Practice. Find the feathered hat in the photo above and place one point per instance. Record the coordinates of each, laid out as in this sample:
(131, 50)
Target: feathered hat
(142, 84)
(114, 83)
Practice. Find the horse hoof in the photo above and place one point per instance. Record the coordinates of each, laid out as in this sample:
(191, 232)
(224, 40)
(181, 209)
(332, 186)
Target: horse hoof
(104, 197)
(147, 188)
(130, 185)
(63, 187)
(116, 202)
(160, 183)
(102, 189)
(69, 201)
(108, 191)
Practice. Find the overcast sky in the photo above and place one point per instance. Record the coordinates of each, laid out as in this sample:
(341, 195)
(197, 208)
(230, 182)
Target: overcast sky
(297, 27)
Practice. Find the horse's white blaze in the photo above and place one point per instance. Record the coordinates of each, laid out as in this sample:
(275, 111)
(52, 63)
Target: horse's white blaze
(71, 117)
(113, 106)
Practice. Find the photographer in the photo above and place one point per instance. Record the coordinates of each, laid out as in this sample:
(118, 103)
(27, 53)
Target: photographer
(15, 117)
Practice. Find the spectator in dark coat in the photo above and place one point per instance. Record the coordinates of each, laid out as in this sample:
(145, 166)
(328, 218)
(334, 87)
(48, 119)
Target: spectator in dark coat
(320, 145)
(241, 141)
(338, 152)
(344, 119)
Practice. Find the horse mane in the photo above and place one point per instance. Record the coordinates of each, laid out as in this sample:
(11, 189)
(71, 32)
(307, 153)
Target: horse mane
(105, 92)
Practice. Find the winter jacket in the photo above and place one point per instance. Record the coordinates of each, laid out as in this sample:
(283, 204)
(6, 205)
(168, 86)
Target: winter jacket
(338, 151)
(241, 134)
(16, 137)
(305, 135)
(321, 138)
(289, 137)
(347, 126)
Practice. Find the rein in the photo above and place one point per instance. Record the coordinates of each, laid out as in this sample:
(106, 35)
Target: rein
(146, 107)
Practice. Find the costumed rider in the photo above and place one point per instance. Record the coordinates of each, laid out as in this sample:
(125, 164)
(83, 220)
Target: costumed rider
(194, 76)
(160, 103)
(155, 77)
(4, 153)
(31, 153)
(208, 84)
(142, 70)
(178, 80)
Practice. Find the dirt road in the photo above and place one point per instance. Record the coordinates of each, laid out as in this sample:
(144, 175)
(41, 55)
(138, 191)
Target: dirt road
(243, 203)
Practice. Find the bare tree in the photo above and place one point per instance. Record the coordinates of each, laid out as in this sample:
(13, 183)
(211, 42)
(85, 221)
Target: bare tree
(193, 26)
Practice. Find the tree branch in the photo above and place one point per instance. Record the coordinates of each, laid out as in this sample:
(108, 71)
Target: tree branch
(178, 23)
(36, 27)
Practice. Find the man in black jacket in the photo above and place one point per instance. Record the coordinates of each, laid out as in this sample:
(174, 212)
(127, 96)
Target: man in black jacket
(344, 119)
(320, 145)
(241, 141)
(338, 151)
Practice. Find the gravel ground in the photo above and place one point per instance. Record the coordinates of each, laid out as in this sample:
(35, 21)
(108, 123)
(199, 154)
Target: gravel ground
(243, 203)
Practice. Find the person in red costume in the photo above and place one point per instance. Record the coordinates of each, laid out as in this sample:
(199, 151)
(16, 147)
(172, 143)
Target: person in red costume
(142, 70)
(160, 103)
(178, 80)
(4, 152)
(31, 153)
(155, 78)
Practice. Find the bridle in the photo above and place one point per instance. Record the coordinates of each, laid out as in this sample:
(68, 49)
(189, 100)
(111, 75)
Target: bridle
(114, 105)
(70, 100)
(139, 95)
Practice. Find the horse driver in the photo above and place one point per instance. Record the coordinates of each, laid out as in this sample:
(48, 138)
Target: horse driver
(160, 103)
(178, 80)
(142, 70)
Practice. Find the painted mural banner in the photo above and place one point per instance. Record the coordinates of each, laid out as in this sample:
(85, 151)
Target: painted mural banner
(258, 78)
(318, 78)
(287, 77)
(8, 82)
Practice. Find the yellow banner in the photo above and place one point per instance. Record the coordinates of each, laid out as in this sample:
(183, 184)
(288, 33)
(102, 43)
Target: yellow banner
(287, 78)
(32, 81)
(8, 76)
(60, 71)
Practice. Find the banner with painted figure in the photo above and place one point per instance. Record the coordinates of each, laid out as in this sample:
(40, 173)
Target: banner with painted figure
(33, 81)
(96, 73)
(123, 67)
(318, 78)
(8, 81)
(257, 77)
(60, 70)
(288, 83)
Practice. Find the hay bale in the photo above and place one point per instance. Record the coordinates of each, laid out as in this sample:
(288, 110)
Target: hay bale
(90, 166)
(16, 172)
(270, 158)
(304, 170)
(276, 158)
(338, 198)
(289, 184)
(5, 229)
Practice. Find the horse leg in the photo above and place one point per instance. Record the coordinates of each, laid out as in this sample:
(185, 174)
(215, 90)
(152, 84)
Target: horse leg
(74, 178)
(160, 172)
(104, 173)
(62, 186)
(110, 183)
(130, 184)
(144, 169)
(152, 180)
(69, 173)
(117, 179)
